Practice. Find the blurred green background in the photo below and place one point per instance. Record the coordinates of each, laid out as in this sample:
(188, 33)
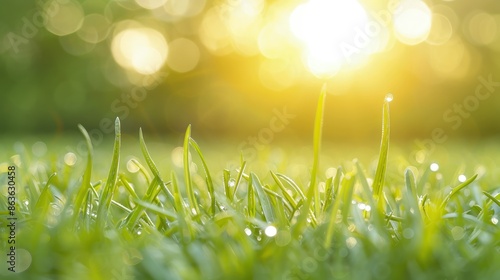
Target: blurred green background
(228, 66)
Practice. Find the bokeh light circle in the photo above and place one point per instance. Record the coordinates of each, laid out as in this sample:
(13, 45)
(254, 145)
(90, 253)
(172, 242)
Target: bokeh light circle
(141, 49)
(412, 22)
(184, 55)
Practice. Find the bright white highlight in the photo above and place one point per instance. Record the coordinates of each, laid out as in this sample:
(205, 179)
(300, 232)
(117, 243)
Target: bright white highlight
(270, 231)
(434, 167)
(332, 32)
(412, 22)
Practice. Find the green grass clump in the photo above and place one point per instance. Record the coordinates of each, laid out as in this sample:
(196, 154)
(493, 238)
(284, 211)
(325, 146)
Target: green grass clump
(358, 223)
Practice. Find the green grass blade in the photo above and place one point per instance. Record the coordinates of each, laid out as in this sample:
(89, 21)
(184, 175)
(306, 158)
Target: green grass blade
(497, 202)
(127, 186)
(348, 190)
(364, 183)
(313, 191)
(46, 196)
(156, 209)
(187, 173)
(109, 189)
(411, 190)
(456, 190)
(346, 187)
(238, 178)
(153, 168)
(251, 198)
(210, 184)
(328, 194)
(85, 186)
(142, 169)
(378, 181)
(263, 199)
(87, 210)
(334, 189)
(292, 184)
(138, 211)
(284, 191)
(226, 176)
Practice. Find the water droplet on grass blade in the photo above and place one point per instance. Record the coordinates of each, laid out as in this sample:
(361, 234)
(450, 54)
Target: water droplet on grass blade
(389, 97)
(494, 220)
(231, 183)
(434, 167)
(270, 231)
(462, 178)
(248, 231)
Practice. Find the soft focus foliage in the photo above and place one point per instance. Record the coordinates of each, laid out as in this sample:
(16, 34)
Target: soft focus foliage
(225, 65)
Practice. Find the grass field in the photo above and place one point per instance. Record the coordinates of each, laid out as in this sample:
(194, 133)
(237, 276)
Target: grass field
(151, 212)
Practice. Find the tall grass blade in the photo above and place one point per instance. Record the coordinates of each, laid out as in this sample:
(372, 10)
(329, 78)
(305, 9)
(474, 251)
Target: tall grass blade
(284, 191)
(110, 187)
(345, 192)
(187, 173)
(238, 178)
(264, 199)
(85, 186)
(46, 196)
(457, 189)
(497, 202)
(210, 184)
(251, 198)
(378, 181)
(153, 168)
(226, 176)
(313, 191)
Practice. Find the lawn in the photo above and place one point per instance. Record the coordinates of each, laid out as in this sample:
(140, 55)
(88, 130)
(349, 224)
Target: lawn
(170, 211)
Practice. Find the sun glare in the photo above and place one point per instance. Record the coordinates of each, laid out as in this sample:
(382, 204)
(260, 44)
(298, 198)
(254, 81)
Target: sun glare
(332, 33)
(141, 49)
(412, 22)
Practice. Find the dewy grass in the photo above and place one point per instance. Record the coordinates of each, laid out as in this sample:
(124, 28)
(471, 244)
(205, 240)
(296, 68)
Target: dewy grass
(360, 224)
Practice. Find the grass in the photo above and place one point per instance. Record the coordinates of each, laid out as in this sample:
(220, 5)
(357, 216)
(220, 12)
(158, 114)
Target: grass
(381, 222)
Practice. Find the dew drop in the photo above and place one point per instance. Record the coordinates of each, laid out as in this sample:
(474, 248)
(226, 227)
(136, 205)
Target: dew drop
(494, 220)
(462, 178)
(434, 167)
(248, 231)
(231, 183)
(389, 97)
(270, 231)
